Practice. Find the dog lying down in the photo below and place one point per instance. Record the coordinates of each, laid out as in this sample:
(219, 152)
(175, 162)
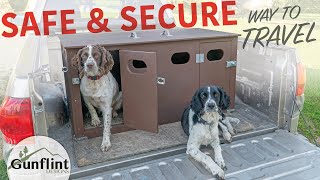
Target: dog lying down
(201, 122)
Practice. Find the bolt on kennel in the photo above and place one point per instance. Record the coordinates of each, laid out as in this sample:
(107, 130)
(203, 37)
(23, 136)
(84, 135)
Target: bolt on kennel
(158, 73)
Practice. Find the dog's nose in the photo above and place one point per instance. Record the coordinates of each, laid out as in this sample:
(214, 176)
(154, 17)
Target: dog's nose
(211, 105)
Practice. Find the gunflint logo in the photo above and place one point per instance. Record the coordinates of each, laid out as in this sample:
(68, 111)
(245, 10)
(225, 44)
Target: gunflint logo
(39, 157)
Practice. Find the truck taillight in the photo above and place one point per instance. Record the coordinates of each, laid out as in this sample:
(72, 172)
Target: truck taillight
(301, 79)
(16, 119)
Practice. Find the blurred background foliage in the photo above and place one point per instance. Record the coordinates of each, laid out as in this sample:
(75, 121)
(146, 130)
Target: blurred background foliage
(310, 6)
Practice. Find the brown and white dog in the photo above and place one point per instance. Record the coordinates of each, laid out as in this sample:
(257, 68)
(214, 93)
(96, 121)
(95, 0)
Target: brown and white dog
(98, 87)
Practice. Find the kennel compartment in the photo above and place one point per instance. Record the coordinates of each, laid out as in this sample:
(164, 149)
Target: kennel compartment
(158, 74)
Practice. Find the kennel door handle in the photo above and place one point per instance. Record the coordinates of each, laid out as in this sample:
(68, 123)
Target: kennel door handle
(231, 64)
(161, 80)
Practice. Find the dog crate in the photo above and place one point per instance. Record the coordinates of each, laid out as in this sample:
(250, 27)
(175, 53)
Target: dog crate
(158, 72)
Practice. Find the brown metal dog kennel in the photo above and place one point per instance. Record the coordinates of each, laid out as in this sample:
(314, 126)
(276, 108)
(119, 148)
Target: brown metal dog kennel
(159, 70)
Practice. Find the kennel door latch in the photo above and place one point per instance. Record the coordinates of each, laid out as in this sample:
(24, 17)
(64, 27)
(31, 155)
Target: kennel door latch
(231, 64)
(199, 58)
(161, 80)
(75, 81)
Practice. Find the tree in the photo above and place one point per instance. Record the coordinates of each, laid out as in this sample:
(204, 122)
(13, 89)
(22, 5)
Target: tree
(20, 154)
(25, 150)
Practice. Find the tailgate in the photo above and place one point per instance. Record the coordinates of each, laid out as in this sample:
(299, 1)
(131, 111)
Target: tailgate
(278, 155)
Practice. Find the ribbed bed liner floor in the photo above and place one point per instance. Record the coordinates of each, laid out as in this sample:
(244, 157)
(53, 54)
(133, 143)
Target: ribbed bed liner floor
(131, 143)
(278, 156)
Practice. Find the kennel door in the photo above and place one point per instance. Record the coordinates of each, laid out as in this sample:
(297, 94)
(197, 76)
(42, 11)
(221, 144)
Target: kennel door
(139, 90)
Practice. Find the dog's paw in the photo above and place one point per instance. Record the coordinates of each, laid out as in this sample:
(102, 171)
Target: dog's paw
(105, 146)
(95, 122)
(219, 173)
(220, 162)
(234, 120)
(227, 136)
(231, 131)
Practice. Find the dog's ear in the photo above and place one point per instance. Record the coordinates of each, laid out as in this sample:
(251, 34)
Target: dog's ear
(224, 99)
(196, 104)
(107, 61)
(77, 63)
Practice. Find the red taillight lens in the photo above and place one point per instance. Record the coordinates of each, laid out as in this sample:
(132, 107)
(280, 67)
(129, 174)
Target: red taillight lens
(301, 79)
(16, 119)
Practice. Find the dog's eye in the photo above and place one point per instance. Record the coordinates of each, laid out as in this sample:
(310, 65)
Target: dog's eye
(204, 95)
(215, 94)
(96, 56)
(84, 56)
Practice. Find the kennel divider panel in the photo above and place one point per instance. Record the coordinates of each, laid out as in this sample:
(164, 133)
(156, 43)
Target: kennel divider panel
(139, 90)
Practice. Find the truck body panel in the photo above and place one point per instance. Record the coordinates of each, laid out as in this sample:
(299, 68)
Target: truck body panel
(266, 84)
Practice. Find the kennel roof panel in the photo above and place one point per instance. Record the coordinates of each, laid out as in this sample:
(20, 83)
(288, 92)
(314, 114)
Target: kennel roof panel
(144, 37)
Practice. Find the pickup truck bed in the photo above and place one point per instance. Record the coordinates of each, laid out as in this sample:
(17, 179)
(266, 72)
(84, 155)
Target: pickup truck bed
(277, 155)
(260, 152)
(129, 144)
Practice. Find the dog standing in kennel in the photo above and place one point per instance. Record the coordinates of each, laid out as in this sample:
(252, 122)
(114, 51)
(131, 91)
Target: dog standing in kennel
(98, 87)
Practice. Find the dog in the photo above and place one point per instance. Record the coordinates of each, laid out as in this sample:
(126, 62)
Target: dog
(98, 87)
(200, 121)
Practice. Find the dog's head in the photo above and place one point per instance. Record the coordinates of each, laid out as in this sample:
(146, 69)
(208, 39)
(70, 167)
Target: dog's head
(210, 99)
(93, 61)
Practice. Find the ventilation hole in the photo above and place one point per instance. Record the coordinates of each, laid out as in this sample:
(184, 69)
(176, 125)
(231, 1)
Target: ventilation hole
(139, 64)
(215, 55)
(180, 58)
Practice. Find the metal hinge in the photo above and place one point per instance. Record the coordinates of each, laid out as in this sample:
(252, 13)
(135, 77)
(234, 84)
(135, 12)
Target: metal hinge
(199, 58)
(161, 80)
(37, 110)
(166, 32)
(134, 35)
(231, 64)
(75, 81)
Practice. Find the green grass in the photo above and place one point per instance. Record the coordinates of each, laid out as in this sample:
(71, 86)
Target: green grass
(3, 170)
(311, 108)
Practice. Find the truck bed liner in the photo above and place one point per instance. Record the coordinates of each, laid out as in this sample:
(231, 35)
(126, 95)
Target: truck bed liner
(278, 155)
(128, 144)
(87, 151)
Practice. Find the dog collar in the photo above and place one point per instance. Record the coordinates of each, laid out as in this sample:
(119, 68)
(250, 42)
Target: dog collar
(204, 122)
(94, 78)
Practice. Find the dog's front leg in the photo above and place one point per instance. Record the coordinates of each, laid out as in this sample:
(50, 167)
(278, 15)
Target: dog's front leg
(107, 117)
(95, 121)
(194, 151)
(217, 153)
